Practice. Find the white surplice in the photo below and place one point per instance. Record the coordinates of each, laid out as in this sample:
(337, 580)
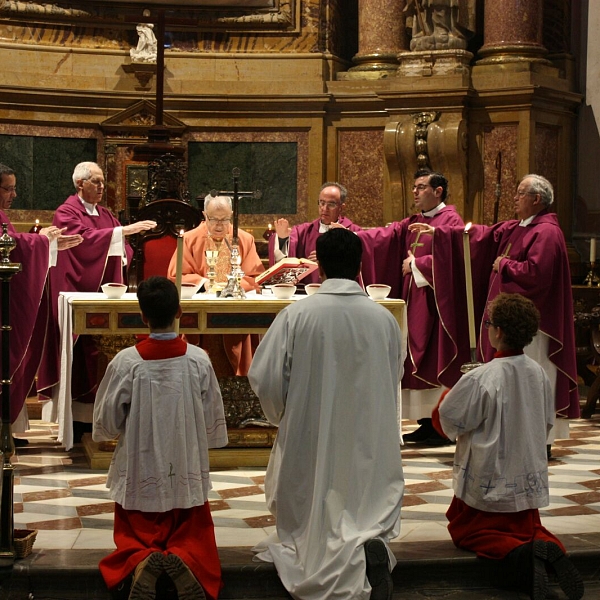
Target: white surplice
(327, 372)
(167, 413)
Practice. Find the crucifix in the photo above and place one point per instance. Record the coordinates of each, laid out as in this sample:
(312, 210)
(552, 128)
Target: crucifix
(234, 288)
(416, 243)
(158, 135)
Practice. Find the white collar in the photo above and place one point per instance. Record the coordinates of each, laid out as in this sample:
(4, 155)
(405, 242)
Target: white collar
(525, 222)
(434, 211)
(89, 208)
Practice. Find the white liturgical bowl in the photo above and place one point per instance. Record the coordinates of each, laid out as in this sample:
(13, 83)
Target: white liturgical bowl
(311, 288)
(378, 291)
(114, 290)
(283, 291)
(188, 290)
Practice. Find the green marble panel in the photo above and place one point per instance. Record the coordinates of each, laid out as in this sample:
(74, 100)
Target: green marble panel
(44, 167)
(270, 167)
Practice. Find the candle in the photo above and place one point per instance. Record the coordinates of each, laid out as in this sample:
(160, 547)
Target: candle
(179, 264)
(36, 228)
(593, 250)
(270, 226)
(469, 287)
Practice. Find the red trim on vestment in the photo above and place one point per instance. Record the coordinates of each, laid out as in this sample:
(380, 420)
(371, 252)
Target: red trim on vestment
(151, 349)
(435, 416)
(507, 353)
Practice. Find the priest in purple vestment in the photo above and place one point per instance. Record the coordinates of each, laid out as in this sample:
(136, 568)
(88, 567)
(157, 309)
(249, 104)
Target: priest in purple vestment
(300, 241)
(527, 256)
(28, 308)
(99, 259)
(437, 347)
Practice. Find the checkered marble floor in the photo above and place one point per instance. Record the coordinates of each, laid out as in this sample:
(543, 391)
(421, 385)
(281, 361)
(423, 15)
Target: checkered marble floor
(56, 493)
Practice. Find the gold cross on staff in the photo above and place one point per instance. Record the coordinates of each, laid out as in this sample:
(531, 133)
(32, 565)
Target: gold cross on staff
(416, 243)
(506, 251)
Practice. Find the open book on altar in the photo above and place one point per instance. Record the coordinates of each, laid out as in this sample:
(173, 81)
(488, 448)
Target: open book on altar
(287, 270)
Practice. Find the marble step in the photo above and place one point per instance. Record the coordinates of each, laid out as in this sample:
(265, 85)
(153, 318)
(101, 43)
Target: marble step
(424, 570)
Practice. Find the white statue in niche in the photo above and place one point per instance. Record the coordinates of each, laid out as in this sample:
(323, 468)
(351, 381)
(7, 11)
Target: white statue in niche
(147, 45)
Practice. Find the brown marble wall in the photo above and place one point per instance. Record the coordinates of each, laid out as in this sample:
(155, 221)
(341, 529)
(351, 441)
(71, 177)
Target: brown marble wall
(360, 168)
(545, 161)
(499, 155)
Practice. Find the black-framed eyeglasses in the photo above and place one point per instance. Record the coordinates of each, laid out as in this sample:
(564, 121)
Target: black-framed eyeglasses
(214, 221)
(11, 189)
(421, 187)
(488, 323)
(329, 205)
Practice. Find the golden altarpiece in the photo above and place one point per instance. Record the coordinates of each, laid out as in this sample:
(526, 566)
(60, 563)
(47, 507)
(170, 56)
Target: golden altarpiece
(357, 91)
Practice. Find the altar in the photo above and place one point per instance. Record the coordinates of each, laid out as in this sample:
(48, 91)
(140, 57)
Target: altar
(95, 314)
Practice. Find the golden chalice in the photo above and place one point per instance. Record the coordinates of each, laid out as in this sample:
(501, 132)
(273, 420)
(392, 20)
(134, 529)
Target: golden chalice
(211, 261)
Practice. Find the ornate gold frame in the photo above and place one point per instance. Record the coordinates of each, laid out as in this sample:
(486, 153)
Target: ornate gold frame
(191, 14)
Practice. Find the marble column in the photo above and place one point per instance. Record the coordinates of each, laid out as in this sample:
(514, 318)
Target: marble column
(513, 32)
(381, 35)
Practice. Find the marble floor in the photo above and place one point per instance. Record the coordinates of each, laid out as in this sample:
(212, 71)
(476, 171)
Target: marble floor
(57, 493)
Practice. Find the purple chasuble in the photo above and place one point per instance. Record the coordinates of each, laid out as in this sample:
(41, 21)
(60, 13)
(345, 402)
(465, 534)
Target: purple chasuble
(83, 268)
(536, 266)
(437, 347)
(28, 312)
(303, 241)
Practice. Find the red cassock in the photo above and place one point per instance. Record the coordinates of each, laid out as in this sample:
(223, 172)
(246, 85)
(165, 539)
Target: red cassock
(83, 268)
(28, 312)
(438, 344)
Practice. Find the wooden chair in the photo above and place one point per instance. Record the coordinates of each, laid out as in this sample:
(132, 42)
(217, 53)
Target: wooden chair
(153, 249)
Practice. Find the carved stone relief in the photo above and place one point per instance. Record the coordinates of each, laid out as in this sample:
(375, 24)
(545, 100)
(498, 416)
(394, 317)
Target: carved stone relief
(192, 14)
(436, 140)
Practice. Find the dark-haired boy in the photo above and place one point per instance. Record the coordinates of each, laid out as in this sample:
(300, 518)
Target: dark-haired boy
(500, 415)
(163, 400)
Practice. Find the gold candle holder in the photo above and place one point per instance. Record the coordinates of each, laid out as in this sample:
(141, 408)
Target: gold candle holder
(592, 279)
(211, 261)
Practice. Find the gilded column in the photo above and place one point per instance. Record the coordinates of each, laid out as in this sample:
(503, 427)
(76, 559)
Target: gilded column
(381, 35)
(513, 31)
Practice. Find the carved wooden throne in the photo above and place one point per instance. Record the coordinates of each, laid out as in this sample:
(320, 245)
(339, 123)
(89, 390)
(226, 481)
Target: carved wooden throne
(154, 249)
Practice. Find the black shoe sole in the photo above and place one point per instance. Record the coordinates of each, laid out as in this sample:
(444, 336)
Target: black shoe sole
(568, 576)
(144, 585)
(378, 572)
(188, 587)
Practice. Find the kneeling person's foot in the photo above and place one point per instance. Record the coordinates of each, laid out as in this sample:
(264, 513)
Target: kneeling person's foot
(378, 572)
(188, 587)
(146, 573)
(568, 576)
(422, 433)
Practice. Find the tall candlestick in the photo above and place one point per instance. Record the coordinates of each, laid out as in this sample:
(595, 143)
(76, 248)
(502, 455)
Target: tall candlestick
(469, 287)
(593, 250)
(179, 265)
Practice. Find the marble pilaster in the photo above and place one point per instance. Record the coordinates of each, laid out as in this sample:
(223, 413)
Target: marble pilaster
(513, 32)
(381, 36)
